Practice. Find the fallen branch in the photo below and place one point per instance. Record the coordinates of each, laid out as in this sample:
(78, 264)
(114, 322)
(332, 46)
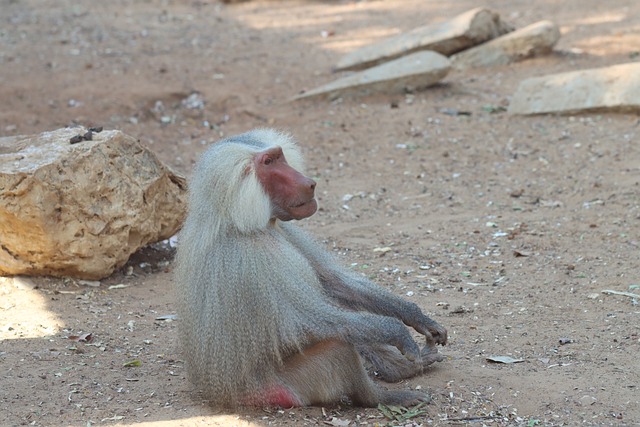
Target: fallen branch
(626, 294)
(471, 419)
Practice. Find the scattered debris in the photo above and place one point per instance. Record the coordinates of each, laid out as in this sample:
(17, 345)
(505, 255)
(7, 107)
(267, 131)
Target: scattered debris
(90, 283)
(587, 400)
(132, 364)
(87, 136)
(503, 359)
(195, 101)
(626, 294)
(75, 139)
(596, 202)
(87, 337)
(551, 203)
(399, 413)
(493, 109)
(337, 422)
(114, 418)
(454, 112)
(519, 253)
(500, 280)
(461, 309)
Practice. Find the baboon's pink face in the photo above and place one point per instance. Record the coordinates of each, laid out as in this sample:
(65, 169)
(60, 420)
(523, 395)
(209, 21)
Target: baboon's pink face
(292, 194)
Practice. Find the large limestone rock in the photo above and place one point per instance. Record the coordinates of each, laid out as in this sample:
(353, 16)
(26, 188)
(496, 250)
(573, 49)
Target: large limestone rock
(462, 32)
(615, 88)
(81, 209)
(413, 72)
(535, 39)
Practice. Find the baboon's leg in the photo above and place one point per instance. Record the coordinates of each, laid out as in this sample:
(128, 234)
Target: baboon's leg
(330, 370)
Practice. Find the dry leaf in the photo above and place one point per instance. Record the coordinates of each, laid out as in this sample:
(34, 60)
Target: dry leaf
(503, 359)
(82, 338)
(337, 422)
(519, 253)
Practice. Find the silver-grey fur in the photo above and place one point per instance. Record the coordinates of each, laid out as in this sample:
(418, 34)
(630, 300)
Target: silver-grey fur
(254, 292)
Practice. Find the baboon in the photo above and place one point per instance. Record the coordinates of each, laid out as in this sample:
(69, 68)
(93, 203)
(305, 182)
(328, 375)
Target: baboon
(267, 316)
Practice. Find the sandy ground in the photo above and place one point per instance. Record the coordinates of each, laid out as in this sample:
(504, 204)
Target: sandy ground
(505, 229)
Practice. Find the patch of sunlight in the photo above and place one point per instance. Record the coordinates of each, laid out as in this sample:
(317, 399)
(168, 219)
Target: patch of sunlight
(266, 21)
(352, 40)
(604, 18)
(317, 22)
(24, 312)
(208, 420)
(303, 15)
(613, 44)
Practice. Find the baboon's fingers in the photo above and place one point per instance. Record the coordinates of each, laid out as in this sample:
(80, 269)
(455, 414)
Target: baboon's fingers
(430, 355)
(409, 348)
(433, 332)
(438, 333)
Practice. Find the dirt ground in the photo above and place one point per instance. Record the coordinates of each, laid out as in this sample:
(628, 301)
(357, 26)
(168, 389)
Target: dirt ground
(505, 229)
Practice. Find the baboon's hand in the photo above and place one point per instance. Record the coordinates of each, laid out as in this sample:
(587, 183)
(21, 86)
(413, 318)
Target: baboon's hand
(433, 331)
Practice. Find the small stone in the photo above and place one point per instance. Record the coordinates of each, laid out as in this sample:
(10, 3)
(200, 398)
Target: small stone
(195, 101)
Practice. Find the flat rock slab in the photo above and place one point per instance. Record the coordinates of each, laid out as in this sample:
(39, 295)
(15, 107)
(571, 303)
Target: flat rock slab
(410, 73)
(615, 88)
(75, 204)
(532, 40)
(462, 32)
